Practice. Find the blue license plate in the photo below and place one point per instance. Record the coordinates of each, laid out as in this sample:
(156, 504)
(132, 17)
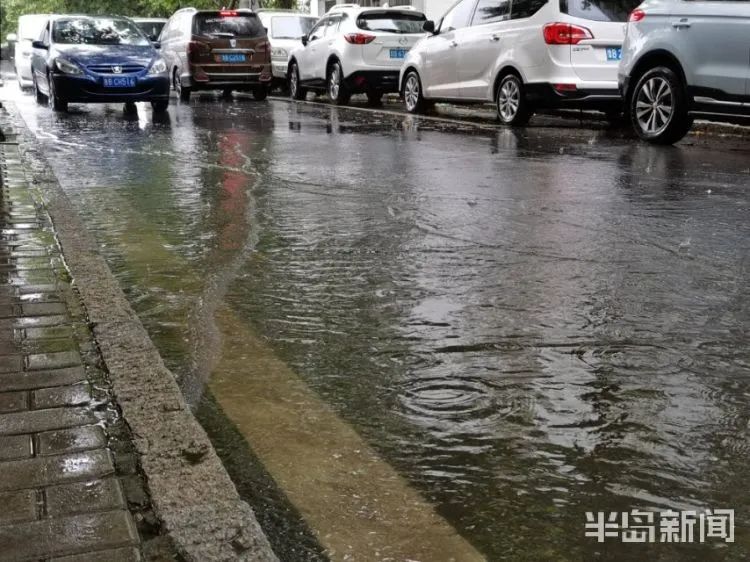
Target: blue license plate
(614, 53)
(399, 53)
(119, 82)
(232, 58)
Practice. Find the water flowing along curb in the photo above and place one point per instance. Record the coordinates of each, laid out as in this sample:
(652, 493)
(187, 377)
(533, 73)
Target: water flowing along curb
(192, 494)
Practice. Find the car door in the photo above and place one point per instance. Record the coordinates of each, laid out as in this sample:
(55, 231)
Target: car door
(713, 43)
(480, 46)
(441, 53)
(306, 59)
(167, 45)
(325, 46)
(39, 59)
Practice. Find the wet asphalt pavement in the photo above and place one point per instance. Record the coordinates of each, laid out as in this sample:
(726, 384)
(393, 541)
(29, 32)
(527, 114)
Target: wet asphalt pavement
(526, 324)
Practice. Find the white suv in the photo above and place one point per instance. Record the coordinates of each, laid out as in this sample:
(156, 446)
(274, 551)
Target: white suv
(354, 50)
(522, 55)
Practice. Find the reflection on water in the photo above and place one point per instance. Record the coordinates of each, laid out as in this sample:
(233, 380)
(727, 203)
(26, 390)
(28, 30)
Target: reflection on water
(526, 325)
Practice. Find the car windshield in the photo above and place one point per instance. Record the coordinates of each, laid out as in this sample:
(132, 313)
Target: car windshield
(228, 24)
(151, 29)
(291, 27)
(98, 31)
(600, 10)
(394, 22)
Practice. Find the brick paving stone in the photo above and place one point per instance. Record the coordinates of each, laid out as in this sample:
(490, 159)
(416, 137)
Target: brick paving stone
(53, 360)
(10, 363)
(82, 497)
(13, 401)
(14, 447)
(76, 395)
(46, 471)
(18, 506)
(71, 440)
(42, 308)
(33, 421)
(41, 379)
(67, 535)
(39, 321)
(118, 555)
(49, 332)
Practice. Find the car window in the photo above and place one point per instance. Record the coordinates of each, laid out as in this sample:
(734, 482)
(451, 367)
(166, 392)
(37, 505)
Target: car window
(151, 29)
(458, 16)
(290, 27)
(45, 35)
(97, 31)
(332, 27)
(319, 30)
(489, 11)
(228, 23)
(599, 10)
(395, 22)
(527, 8)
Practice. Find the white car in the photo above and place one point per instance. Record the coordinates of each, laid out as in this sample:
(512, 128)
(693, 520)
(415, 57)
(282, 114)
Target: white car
(354, 50)
(285, 29)
(522, 55)
(30, 28)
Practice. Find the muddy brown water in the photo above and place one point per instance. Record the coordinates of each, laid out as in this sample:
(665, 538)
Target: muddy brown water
(498, 330)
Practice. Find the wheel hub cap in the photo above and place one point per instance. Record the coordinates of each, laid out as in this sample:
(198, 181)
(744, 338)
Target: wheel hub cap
(509, 100)
(654, 106)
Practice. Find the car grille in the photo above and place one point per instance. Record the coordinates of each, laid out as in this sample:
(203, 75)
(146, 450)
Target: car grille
(107, 68)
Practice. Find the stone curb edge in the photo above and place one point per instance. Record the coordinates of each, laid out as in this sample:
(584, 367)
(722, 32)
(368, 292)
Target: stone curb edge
(192, 494)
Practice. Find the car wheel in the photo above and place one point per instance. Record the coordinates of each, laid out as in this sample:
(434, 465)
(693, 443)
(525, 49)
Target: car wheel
(159, 106)
(658, 107)
(337, 90)
(40, 97)
(260, 93)
(182, 92)
(512, 106)
(55, 102)
(296, 91)
(412, 93)
(374, 97)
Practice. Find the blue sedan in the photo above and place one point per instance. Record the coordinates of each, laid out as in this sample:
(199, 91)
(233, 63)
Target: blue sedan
(97, 59)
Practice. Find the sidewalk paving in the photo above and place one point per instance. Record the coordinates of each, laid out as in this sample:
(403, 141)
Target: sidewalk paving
(69, 486)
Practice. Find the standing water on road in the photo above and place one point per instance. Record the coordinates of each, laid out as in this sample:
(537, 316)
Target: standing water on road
(439, 342)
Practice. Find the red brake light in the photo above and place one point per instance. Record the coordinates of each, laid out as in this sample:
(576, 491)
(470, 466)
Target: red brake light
(636, 15)
(227, 13)
(565, 34)
(359, 38)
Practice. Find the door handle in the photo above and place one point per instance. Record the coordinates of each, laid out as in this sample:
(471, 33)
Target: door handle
(495, 38)
(682, 24)
(454, 44)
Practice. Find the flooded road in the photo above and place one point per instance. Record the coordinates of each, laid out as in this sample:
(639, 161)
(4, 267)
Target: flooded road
(435, 341)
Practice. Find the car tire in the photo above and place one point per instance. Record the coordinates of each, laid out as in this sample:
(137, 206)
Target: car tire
(41, 99)
(226, 93)
(338, 93)
(159, 106)
(659, 107)
(511, 104)
(260, 93)
(182, 92)
(55, 101)
(296, 91)
(412, 93)
(374, 97)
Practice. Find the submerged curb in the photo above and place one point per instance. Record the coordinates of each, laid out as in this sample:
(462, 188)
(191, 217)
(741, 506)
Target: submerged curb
(191, 492)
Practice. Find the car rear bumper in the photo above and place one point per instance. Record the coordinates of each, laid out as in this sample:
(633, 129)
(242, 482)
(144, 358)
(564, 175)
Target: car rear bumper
(208, 78)
(578, 96)
(385, 81)
(85, 90)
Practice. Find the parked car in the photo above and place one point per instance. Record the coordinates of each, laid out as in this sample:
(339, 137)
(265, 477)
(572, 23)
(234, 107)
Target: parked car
(151, 27)
(685, 59)
(30, 29)
(523, 55)
(354, 50)
(285, 29)
(217, 50)
(90, 59)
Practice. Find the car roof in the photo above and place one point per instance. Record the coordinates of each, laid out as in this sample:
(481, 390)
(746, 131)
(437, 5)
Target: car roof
(271, 12)
(149, 19)
(357, 9)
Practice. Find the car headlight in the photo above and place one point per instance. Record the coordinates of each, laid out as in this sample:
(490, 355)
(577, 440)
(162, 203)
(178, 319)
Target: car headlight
(279, 53)
(67, 67)
(159, 67)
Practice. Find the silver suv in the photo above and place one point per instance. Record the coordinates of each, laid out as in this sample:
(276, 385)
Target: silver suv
(683, 59)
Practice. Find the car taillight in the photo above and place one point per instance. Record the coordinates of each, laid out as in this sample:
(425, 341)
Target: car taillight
(565, 34)
(636, 15)
(195, 48)
(359, 38)
(228, 13)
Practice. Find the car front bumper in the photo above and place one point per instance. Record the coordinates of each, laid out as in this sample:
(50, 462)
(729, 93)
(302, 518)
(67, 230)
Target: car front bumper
(85, 89)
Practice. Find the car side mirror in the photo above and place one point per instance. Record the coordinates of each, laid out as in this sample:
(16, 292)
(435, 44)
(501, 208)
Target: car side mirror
(156, 43)
(39, 45)
(304, 40)
(429, 26)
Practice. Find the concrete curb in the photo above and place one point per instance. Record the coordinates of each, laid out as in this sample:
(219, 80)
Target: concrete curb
(192, 494)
